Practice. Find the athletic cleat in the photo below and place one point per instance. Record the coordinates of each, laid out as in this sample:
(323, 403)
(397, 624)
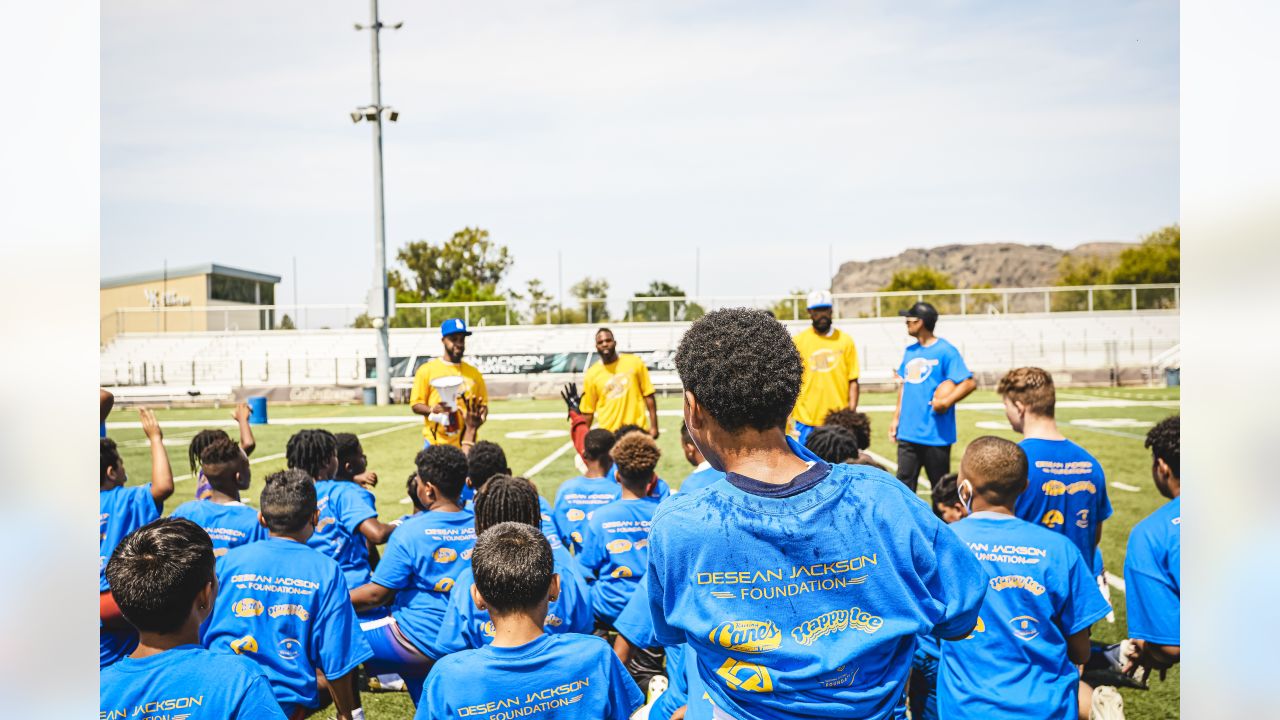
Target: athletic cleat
(1107, 704)
(387, 683)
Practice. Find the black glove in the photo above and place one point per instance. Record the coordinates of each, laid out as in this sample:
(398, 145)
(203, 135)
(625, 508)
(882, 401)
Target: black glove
(571, 397)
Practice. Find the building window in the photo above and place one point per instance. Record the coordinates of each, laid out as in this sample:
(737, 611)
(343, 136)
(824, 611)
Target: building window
(268, 293)
(232, 289)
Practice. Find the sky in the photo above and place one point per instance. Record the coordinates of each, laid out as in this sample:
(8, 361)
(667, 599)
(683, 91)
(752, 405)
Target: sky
(625, 139)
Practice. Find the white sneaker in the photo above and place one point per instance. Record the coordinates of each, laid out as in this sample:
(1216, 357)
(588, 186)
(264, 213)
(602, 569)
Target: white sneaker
(1107, 704)
(657, 686)
(387, 683)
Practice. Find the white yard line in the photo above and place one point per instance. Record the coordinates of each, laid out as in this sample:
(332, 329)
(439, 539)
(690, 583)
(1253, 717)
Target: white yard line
(1126, 487)
(277, 456)
(1115, 582)
(544, 462)
(381, 419)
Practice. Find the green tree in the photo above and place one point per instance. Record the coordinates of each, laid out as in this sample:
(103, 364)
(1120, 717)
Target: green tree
(924, 278)
(539, 302)
(1156, 259)
(661, 310)
(591, 293)
(286, 323)
(431, 270)
(791, 307)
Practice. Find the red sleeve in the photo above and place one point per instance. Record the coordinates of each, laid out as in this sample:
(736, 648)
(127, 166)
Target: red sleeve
(578, 429)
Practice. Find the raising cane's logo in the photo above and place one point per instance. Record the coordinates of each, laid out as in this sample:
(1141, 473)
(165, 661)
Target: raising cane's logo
(748, 636)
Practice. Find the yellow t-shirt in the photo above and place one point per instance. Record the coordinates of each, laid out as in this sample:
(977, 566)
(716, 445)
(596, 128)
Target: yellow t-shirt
(830, 363)
(615, 393)
(425, 393)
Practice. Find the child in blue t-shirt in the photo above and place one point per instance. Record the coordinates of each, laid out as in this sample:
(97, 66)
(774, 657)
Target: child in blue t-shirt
(507, 499)
(579, 497)
(922, 690)
(703, 474)
(660, 490)
(799, 586)
(524, 670)
(348, 517)
(418, 570)
(162, 577)
(206, 437)
(1153, 562)
(229, 522)
(287, 607)
(121, 511)
(615, 547)
(1020, 661)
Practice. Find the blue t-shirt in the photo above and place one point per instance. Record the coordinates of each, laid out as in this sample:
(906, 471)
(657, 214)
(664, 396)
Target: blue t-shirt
(288, 608)
(1066, 491)
(922, 370)
(422, 562)
(677, 693)
(575, 501)
(548, 522)
(1040, 592)
(1153, 576)
(555, 676)
(343, 505)
(466, 626)
(634, 622)
(187, 682)
(230, 525)
(804, 600)
(661, 489)
(123, 510)
(701, 478)
(615, 551)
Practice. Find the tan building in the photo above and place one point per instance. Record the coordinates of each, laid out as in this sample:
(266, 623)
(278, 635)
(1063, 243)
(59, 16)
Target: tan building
(186, 299)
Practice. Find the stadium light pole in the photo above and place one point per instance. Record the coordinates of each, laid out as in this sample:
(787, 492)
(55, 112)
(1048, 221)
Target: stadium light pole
(373, 114)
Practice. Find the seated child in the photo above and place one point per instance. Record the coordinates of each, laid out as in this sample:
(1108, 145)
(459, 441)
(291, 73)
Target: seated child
(579, 497)
(616, 544)
(162, 577)
(922, 690)
(418, 569)
(526, 670)
(229, 522)
(123, 510)
(833, 444)
(660, 490)
(348, 517)
(204, 438)
(507, 499)
(703, 474)
(487, 460)
(287, 607)
(858, 423)
(1020, 661)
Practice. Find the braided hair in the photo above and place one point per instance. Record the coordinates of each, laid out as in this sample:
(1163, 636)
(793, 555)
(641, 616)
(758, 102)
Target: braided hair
(507, 499)
(202, 440)
(312, 451)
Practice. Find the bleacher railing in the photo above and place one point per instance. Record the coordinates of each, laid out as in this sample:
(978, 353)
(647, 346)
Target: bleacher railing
(971, 301)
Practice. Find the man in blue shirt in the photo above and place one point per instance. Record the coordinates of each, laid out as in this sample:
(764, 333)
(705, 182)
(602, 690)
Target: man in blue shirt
(932, 379)
(1020, 661)
(577, 498)
(524, 670)
(703, 474)
(229, 522)
(799, 586)
(287, 607)
(162, 577)
(1066, 488)
(1153, 561)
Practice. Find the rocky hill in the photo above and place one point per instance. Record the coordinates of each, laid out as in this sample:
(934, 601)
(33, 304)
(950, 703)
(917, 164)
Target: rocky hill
(998, 264)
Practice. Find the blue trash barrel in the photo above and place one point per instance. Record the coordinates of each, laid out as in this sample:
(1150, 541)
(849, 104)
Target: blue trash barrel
(1172, 377)
(370, 396)
(258, 410)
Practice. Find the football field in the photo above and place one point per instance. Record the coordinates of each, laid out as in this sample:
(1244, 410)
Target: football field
(1110, 423)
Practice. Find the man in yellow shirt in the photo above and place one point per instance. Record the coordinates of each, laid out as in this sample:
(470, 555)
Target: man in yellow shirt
(617, 391)
(830, 368)
(443, 425)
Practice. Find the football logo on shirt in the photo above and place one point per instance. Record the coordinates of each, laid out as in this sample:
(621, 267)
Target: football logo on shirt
(488, 629)
(1052, 519)
(620, 545)
(444, 555)
(577, 536)
(824, 360)
(443, 585)
(617, 385)
(1082, 519)
(247, 607)
(289, 649)
(466, 554)
(248, 643)
(553, 621)
(980, 627)
(1025, 627)
(1053, 488)
(745, 676)
(748, 636)
(919, 369)
(575, 515)
(622, 572)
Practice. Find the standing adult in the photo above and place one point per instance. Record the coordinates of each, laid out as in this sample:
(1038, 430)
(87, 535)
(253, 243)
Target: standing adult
(441, 424)
(931, 380)
(617, 390)
(830, 368)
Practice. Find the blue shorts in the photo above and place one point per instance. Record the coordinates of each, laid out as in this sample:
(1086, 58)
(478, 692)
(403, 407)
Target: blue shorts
(394, 653)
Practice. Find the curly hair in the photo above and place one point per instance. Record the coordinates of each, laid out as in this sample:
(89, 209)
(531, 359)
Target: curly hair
(1030, 386)
(996, 467)
(445, 467)
(312, 451)
(855, 422)
(1164, 439)
(288, 500)
(110, 456)
(202, 440)
(507, 499)
(486, 460)
(742, 366)
(597, 444)
(636, 456)
(832, 443)
(945, 492)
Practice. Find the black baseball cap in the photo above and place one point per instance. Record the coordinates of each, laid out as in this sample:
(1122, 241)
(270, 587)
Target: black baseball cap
(923, 311)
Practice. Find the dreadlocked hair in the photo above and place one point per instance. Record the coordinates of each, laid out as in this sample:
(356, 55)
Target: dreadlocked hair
(202, 440)
(311, 451)
(507, 499)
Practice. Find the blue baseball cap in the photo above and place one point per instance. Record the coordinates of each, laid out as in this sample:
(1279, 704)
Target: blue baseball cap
(453, 326)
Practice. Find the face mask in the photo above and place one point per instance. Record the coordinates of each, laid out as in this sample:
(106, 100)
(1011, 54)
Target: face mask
(966, 503)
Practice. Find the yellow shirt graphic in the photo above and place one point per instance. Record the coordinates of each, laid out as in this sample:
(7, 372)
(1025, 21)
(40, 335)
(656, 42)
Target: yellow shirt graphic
(423, 392)
(830, 363)
(615, 393)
